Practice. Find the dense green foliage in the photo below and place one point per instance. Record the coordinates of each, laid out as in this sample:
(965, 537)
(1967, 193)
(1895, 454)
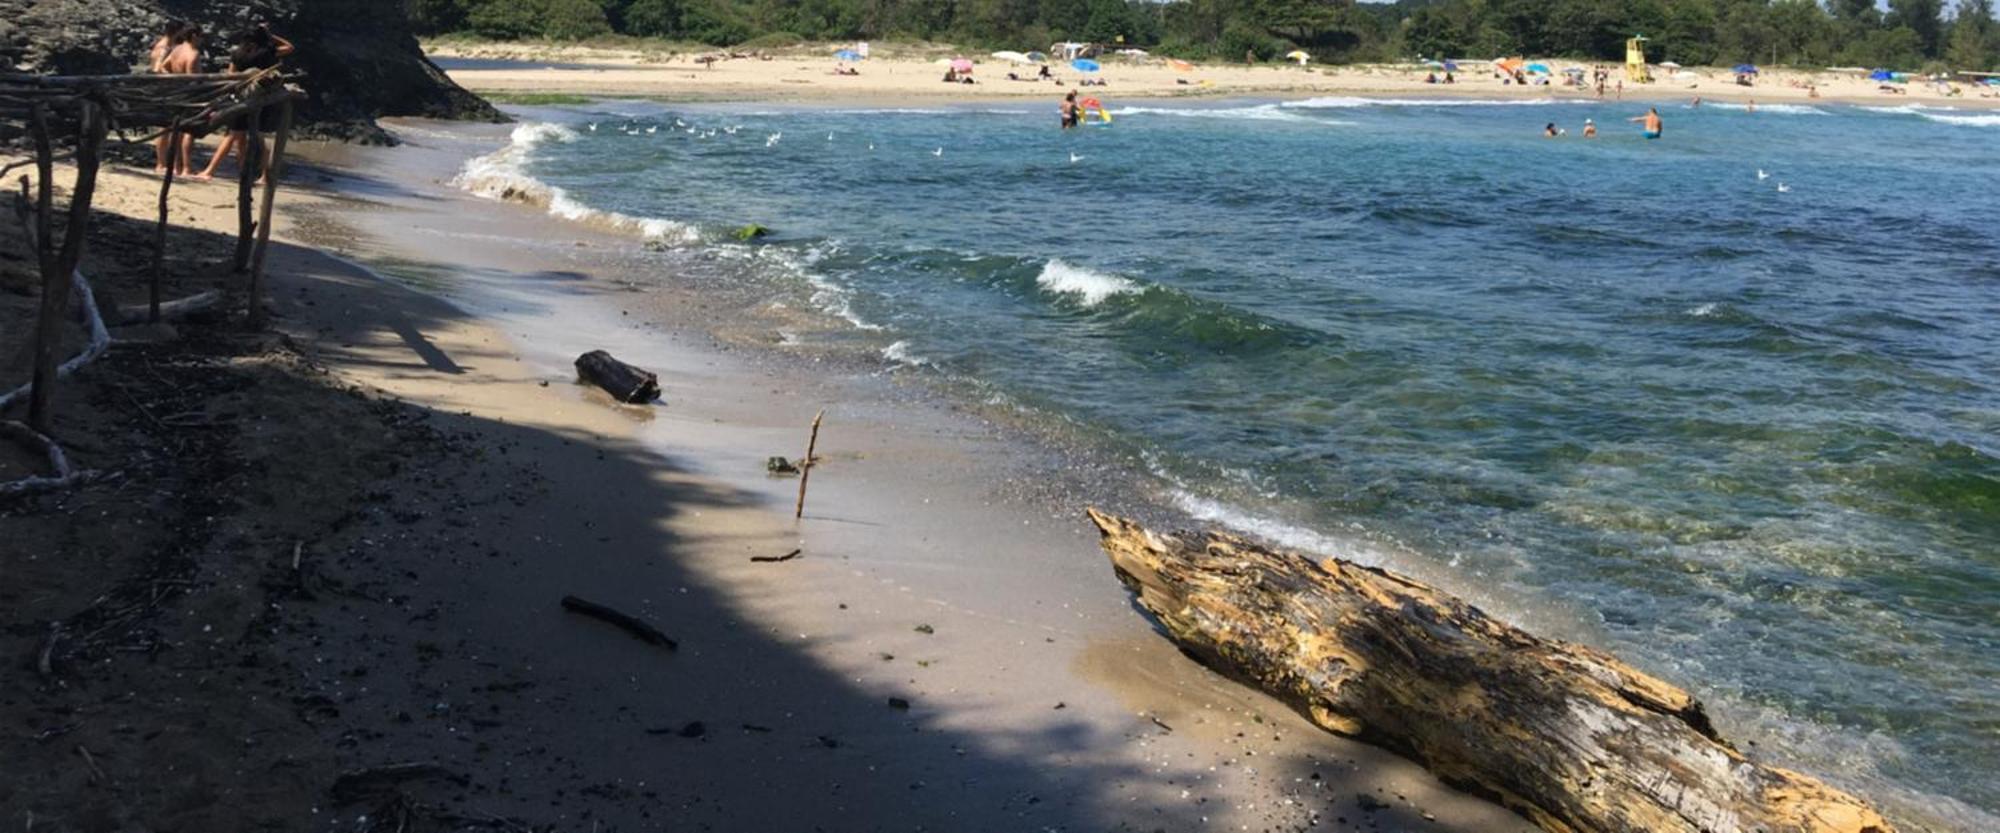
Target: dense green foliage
(1913, 34)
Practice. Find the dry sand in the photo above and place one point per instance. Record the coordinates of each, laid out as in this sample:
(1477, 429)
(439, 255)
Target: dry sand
(345, 549)
(889, 78)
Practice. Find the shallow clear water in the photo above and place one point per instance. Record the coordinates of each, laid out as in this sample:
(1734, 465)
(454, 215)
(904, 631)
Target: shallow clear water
(1750, 436)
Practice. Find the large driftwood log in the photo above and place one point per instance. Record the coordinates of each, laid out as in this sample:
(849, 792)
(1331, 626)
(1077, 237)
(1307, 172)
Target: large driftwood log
(621, 380)
(1563, 734)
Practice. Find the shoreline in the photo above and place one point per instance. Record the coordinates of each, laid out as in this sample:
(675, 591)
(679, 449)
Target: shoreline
(922, 514)
(790, 79)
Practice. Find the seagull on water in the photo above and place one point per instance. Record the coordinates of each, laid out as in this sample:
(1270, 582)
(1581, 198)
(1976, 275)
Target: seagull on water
(593, 127)
(1761, 176)
(939, 152)
(1073, 158)
(1784, 189)
(829, 137)
(773, 140)
(652, 130)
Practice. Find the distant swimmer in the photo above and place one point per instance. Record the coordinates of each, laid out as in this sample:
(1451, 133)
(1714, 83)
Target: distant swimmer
(1589, 129)
(1654, 127)
(1696, 102)
(1071, 113)
(1750, 105)
(1552, 131)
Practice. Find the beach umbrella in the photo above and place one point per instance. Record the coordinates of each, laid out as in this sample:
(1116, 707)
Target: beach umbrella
(961, 65)
(1450, 67)
(1669, 65)
(847, 55)
(1745, 69)
(1180, 65)
(1038, 57)
(1542, 69)
(1013, 57)
(1085, 65)
(1299, 55)
(1881, 75)
(1434, 64)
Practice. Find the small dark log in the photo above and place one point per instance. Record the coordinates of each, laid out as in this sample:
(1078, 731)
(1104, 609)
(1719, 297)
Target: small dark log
(623, 381)
(775, 559)
(1563, 734)
(634, 626)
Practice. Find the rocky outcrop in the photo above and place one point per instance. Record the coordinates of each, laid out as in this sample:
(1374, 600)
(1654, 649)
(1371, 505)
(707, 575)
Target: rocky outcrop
(359, 58)
(1568, 736)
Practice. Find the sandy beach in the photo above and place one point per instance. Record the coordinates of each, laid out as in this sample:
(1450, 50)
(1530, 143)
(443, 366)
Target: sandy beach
(375, 515)
(889, 77)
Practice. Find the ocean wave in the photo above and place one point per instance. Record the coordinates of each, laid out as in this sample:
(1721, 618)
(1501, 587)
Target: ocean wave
(1905, 109)
(899, 353)
(1090, 287)
(1261, 112)
(1351, 102)
(1785, 109)
(503, 175)
(1991, 120)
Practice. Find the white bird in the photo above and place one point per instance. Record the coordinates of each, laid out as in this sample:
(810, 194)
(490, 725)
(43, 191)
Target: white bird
(829, 137)
(593, 127)
(1073, 158)
(729, 130)
(938, 152)
(679, 123)
(871, 145)
(1761, 176)
(773, 140)
(1784, 189)
(652, 130)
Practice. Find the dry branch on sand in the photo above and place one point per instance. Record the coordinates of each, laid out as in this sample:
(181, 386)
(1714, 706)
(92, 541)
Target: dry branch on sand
(1566, 735)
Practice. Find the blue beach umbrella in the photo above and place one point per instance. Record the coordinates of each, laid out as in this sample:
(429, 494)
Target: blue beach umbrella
(1881, 75)
(1085, 65)
(1450, 67)
(1745, 69)
(1538, 68)
(847, 55)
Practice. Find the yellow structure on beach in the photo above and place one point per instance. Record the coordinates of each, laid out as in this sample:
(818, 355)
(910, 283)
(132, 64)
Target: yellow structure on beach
(1635, 61)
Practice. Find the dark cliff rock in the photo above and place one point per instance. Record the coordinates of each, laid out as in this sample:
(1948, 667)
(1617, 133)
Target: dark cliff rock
(359, 58)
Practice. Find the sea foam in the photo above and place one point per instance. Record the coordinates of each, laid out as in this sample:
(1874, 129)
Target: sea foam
(1991, 120)
(1090, 287)
(503, 175)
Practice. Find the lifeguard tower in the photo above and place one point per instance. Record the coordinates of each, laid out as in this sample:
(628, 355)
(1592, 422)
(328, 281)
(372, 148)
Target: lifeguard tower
(1635, 61)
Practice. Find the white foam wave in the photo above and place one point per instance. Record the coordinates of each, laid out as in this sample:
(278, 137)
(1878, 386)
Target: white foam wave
(1782, 109)
(1968, 121)
(1705, 310)
(503, 175)
(1907, 109)
(1351, 102)
(1090, 287)
(1262, 112)
(900, 354)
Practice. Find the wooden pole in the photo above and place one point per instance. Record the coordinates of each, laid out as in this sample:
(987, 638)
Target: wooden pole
(58, 266)
(248, 159)
(160, 233)
(271, 173)
(806, 465)
(55, 285)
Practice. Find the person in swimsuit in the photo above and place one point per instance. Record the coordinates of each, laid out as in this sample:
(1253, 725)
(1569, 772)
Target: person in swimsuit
(1654, 127)
(157, 60)
(1589, 129)
(183, 58)
(1069, 111)
(255, 49)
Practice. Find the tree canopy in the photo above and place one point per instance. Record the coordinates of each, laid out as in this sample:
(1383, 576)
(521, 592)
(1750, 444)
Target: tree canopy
(1913, 34)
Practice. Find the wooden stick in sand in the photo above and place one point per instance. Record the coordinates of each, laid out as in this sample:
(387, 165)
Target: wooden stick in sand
(58, 265)
(273, 167)
(249, 158)
(160, 233)
(806, 465)
(630, 624)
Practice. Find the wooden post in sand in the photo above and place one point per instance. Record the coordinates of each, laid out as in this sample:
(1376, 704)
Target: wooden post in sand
(249, 158)
(160, 233)
(58, 266)
(271, 172)
(806, 465)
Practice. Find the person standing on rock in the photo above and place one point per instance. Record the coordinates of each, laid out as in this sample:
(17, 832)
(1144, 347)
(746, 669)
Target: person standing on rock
(255, 49)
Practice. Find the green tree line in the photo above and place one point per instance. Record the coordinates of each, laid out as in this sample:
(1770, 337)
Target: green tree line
(1910, 35)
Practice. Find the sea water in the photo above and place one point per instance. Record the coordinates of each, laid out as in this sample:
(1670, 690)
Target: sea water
(1729, 400)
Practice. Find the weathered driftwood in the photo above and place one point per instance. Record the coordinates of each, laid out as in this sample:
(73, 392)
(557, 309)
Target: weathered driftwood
(1566, 735)
(623, 381)
(170, 310)
(633, 625)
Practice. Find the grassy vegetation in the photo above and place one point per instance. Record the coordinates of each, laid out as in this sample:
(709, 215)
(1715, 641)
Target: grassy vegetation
(538, 99)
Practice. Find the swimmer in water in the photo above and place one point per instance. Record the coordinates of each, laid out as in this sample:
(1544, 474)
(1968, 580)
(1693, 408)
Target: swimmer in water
(1551, 131)
(1750, 105)
(1696, 102)
(1654, 127)
(1589, 129)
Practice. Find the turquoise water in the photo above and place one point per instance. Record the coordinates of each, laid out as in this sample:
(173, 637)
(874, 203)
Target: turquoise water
(1748, 437)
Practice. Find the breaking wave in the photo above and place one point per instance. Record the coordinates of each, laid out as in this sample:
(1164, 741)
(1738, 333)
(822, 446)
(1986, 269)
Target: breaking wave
(503, 175)
(1090, 288)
